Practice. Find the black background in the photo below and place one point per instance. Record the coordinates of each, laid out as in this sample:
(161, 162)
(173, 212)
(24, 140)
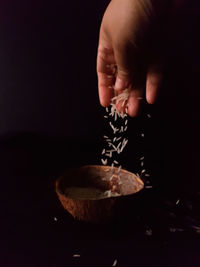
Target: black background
(50, 119)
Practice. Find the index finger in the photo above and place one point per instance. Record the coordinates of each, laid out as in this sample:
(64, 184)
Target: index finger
(106, 74)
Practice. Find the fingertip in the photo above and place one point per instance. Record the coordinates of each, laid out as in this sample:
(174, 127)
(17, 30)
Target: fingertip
(153, 84)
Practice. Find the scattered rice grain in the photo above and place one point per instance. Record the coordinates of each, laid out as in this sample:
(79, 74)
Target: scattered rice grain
(114, 263)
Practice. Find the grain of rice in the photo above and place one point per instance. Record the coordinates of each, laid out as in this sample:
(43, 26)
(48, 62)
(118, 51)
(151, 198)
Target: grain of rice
(118, 138)
(114, 263)
(114, 147)
(111, 177)
(143, 171)
(105, 117)
(147, 175)
(126, 121)
(148, 232)
(148, 115)
(115, 116)
(142, 134)
(107, 110)
(103, 151)
(105, 136)
(148, 186)
(116, 162)
(76, 255)
(142, 163)
(55, 219)
(104, 161)
(177, 201)
(114, 139)
(125, 129)
(142, 158)
(119, 169)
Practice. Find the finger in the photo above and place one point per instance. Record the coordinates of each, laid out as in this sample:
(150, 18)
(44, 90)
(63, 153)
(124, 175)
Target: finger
(122, 58)
(134, 102)
(153, 83)
(106, 75)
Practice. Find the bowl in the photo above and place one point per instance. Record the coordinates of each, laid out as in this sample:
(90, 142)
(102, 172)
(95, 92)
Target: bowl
(89, 194)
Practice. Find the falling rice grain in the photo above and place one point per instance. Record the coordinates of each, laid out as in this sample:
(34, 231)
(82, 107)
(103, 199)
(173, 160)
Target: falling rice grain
(114, 263)
(103, 151)
(148, 115)
(104, 161)
(76, 255)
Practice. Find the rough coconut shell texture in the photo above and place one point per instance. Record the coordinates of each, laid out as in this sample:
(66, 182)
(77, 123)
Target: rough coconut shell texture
(98, 177)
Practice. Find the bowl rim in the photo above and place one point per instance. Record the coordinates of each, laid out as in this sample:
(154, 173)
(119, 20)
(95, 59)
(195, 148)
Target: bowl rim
(60, 191)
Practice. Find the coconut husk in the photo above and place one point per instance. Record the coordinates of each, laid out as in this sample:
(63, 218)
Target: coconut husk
(99, 208)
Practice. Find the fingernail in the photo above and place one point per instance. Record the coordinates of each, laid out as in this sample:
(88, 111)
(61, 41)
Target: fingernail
(120, 84)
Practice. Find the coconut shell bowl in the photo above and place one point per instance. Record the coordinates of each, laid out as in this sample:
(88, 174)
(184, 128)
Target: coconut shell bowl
(91, 193)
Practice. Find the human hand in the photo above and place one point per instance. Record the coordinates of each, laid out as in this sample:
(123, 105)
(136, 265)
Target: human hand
(129, 41)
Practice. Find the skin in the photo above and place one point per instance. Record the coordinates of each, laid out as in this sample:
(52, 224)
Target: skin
(131, 40)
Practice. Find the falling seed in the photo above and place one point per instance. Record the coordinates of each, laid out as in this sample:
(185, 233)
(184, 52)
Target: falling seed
(105, 117)
(147, 175)
(104, 161)
(116, 162)
(143, 171)
(125, 129)
(76, 255)
(148, 232)
(177, 201)
(103, 151)
(142, 163)
(55, 219)
(106, 109)
(114, 263)
(148, 186)
(105, 136)
(142, 134)
(148, 115)
(126, 121)
(142, 158)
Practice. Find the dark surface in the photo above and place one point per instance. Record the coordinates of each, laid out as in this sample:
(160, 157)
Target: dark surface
(50, 119)
(31, 237)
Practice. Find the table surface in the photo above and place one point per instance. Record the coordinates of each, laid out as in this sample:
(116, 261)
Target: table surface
(36, 231)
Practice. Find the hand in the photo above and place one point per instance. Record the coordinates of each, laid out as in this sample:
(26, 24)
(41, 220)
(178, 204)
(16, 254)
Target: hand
(129, 44)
